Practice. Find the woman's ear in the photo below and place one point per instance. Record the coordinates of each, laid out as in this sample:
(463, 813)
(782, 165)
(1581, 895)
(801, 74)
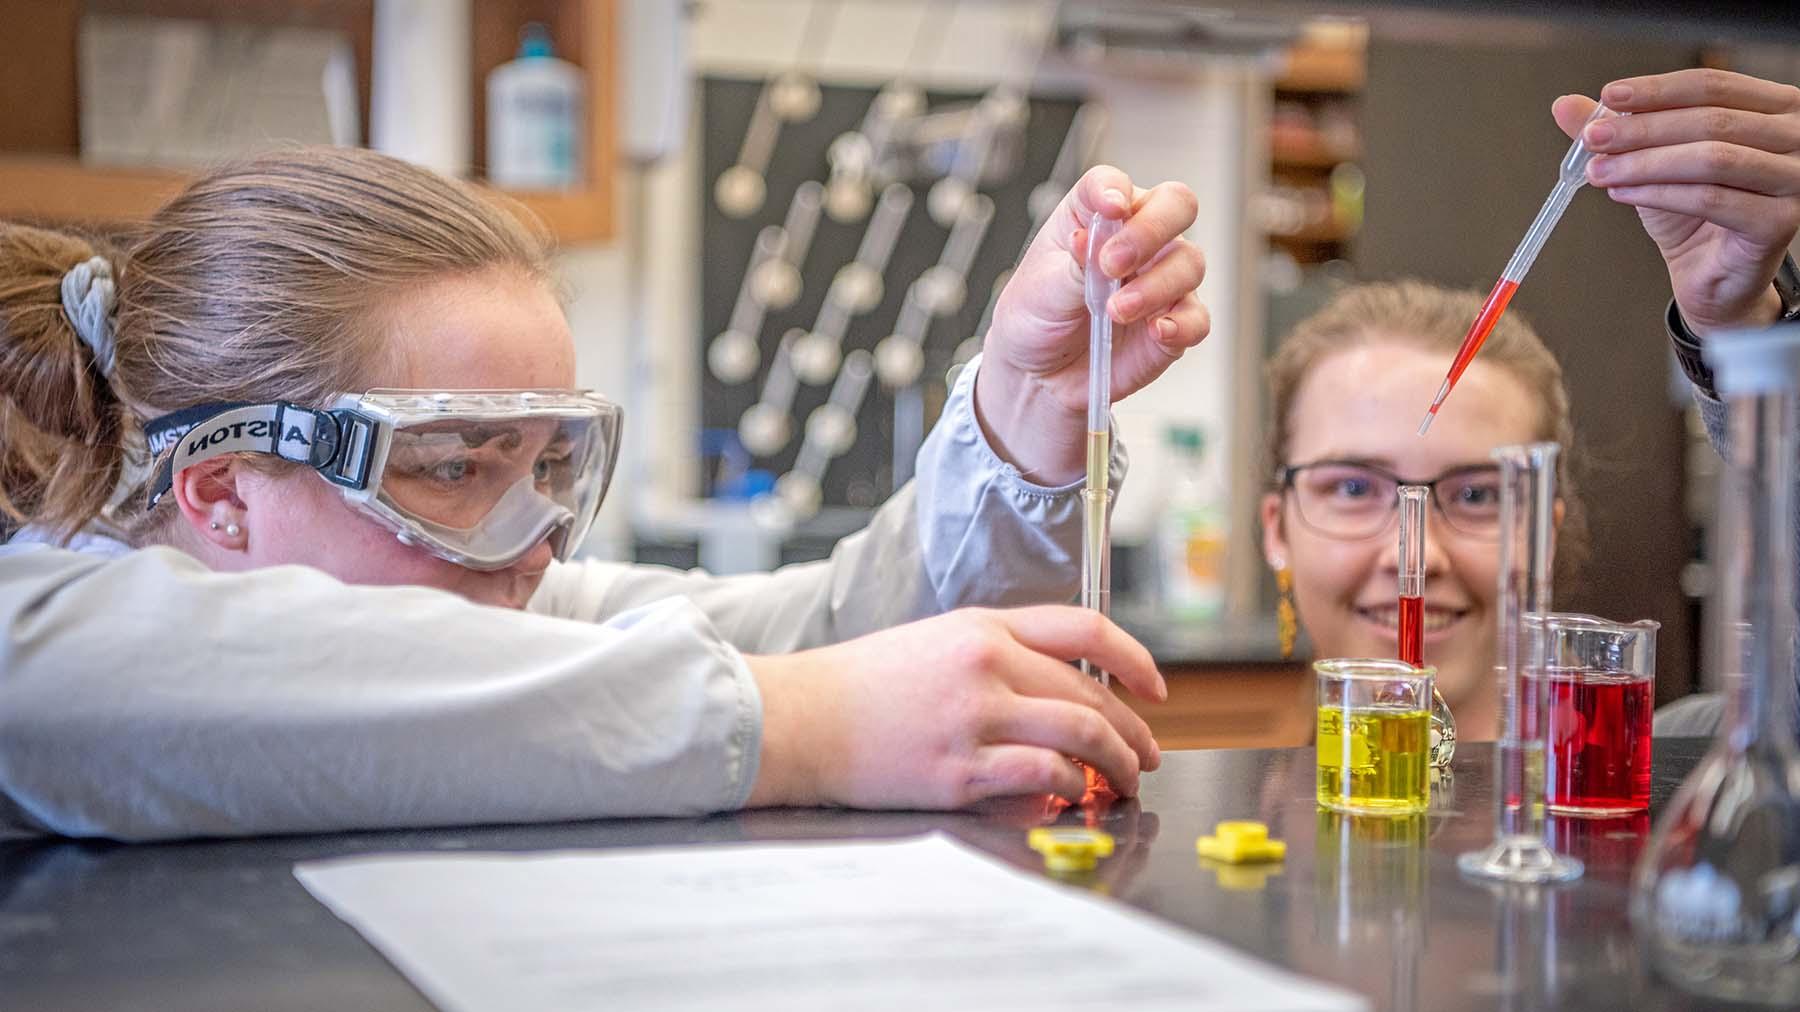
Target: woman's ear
(1275, 546)
(207, 494)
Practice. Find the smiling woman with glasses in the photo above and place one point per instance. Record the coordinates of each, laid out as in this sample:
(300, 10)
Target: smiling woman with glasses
(1352, 501)
(1342, 387)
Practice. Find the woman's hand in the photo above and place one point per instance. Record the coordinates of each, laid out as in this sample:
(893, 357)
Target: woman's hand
(1711, 161)
(951, 710)
(1031, 393)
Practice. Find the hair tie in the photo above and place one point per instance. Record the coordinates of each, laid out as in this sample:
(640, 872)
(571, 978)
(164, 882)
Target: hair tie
(88, 298)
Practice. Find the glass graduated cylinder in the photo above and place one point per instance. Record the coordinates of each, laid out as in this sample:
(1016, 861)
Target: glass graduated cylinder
(1411, 614)
(1520, 851)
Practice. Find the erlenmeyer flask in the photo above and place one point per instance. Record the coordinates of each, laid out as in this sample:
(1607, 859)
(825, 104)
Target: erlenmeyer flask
(1716, 892)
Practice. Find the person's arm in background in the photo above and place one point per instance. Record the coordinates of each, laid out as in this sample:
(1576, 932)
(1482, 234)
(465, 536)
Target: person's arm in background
(1711, 162)
(993, 517)
(147, 697)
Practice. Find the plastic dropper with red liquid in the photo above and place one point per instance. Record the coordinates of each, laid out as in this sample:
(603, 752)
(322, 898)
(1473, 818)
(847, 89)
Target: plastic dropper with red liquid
(1570, 177)
(1411, 626)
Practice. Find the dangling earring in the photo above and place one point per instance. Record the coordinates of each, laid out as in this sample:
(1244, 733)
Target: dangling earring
(1287, 624)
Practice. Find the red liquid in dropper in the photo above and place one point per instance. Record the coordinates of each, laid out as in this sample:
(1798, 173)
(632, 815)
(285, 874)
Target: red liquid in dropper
(1412, 630)
(1491, 311)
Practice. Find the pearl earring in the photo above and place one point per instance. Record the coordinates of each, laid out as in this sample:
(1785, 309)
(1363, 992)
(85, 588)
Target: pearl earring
(214, 525)
(233, 530)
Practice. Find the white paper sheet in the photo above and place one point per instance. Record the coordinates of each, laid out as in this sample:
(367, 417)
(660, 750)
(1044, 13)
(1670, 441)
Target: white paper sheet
(925, 923)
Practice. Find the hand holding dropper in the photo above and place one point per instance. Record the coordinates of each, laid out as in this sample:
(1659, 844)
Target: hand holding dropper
(1571, 177)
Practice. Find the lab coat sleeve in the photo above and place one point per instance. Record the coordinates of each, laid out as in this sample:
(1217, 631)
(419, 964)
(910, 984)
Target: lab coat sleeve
(147, 697)
(968, 530)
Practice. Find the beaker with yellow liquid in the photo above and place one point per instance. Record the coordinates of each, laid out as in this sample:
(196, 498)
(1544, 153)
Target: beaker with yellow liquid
(1374, 736)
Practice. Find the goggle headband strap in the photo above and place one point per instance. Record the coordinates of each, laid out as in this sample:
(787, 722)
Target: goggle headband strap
(338, 444)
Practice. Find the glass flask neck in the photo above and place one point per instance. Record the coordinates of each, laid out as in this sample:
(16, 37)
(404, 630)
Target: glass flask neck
(1753, 629)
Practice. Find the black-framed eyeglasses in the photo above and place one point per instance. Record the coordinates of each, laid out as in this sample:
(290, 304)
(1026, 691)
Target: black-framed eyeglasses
(1351, 500)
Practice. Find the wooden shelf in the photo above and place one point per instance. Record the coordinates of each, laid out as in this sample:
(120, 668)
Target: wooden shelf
(1330, 233)
(62, 191)
(52, 190)
(1309, 154)
(1312, 67)
(42, 178)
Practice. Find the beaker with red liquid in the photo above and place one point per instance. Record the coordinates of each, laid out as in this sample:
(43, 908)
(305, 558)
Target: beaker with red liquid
(1602, 692)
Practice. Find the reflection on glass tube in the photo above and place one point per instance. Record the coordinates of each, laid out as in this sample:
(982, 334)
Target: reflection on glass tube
(939, 290)
(849, 187)
(734, 355)
(791, 96)
(830, 432)
(777, 281)
(1078, 150)
(856, 289)
(1371, 879)
(766, 425)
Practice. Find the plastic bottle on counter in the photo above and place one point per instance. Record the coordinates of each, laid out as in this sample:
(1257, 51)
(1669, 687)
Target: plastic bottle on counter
(1191, 533)
(534, 115)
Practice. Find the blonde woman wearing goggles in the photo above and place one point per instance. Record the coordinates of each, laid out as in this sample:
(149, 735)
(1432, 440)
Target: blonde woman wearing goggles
(360, 388)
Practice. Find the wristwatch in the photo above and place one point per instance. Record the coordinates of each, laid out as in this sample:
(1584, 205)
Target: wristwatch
(1687, 345)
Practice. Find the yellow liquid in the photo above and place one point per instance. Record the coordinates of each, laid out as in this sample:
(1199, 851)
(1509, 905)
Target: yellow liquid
(1379, 763)
(1098, 457)
(1094, 592)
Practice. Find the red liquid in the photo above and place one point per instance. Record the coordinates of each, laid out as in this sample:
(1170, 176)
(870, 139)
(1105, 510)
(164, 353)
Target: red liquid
(1599, 759)
(1412, 630)
(1097, 787)
(1479, 330)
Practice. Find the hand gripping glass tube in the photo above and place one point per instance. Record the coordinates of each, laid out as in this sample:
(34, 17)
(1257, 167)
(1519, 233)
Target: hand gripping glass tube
(1521, 850)
(1570, 177)
(1096, 498)
(1411, 619)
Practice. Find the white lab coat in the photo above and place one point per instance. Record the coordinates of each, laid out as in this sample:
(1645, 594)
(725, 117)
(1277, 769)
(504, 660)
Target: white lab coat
(144, 696)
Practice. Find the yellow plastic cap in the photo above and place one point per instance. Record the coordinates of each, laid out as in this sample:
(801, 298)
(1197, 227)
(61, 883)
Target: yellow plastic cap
(1240, 842)
(1070, 848)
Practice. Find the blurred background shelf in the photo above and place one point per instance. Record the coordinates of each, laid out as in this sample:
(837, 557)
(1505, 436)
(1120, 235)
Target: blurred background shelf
(44, 179)
(58, 190)
(1306, 153)
(1323, 66)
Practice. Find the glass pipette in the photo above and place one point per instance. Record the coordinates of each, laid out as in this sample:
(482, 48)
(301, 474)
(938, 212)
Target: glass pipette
(1098, 289)
(1096, 497)
(1570, 177)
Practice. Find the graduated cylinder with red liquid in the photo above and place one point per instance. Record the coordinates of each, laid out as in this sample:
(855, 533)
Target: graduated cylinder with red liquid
(1602, 692)
(1411, 616)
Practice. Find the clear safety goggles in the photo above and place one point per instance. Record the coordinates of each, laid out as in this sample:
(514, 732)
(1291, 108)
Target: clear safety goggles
(476, 477)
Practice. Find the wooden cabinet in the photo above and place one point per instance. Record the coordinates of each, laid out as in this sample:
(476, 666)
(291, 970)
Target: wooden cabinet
(1232, 705)
(1315, 188)
(43, 179)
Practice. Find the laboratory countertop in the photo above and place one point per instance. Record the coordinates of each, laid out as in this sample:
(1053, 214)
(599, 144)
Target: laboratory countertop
(1373, 904)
